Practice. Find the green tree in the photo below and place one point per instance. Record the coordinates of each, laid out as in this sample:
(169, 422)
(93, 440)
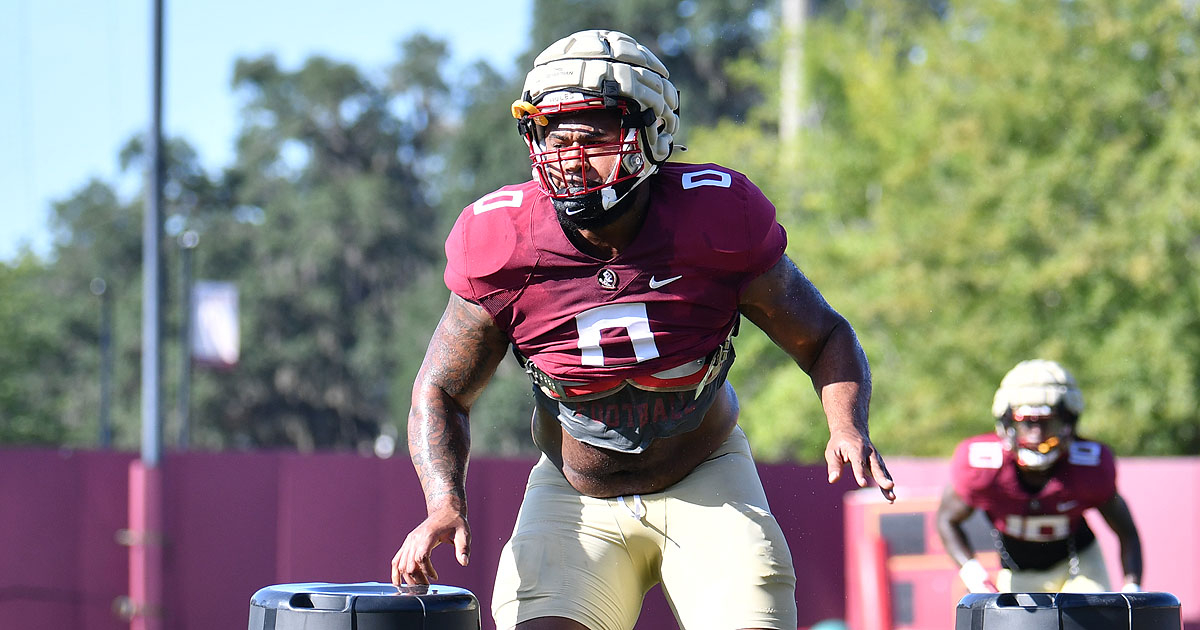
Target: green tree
(976, 183)
(28, 413)
(995, 182)
(332, 178)
(330, 223)
(50, 368)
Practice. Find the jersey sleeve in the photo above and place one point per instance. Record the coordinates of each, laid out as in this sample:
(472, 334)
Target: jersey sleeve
(974, 465)
(739, 232)
(1096, 466)
(457, 275)
(1110, 466)
(765, 237)
(481, 245)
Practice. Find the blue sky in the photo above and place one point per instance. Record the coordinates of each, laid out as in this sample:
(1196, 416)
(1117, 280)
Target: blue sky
(74, 77)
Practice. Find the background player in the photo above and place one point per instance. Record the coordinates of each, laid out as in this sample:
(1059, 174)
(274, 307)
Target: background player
(1034, 478)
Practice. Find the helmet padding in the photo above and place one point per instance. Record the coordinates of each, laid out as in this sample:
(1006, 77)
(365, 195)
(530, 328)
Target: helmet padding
(1038, 382)
(1037, 391)
(611, 64)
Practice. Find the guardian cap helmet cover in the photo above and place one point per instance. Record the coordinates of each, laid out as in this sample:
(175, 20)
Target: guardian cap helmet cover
(598, 70)
(1036, 409)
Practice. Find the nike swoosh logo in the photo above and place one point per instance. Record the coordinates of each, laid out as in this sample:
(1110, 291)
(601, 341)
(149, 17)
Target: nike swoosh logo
(658, 284)
(1066, 505)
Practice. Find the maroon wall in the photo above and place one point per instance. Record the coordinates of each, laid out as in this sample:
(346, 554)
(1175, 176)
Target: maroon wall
(237, 522)
(60, 564)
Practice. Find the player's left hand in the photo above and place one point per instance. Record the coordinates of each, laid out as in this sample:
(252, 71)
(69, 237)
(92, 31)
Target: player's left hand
(413, 564)
(851, 447)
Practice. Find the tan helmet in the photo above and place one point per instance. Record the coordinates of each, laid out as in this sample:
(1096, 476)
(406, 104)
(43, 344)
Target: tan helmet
(597, 70)
(1038, 382)
(611, 63)
(1036, 409)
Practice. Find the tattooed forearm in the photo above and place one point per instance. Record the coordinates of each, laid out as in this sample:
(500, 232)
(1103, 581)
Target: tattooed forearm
(462, 356)
(464, 352)
(439, 442)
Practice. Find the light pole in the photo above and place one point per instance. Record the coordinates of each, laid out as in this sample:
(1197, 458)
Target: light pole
(99, 288)
(146, 519)
(188, 241)
(792, 99)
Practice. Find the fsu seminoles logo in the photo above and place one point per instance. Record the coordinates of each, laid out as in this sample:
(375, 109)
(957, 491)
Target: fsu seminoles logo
(607, 279)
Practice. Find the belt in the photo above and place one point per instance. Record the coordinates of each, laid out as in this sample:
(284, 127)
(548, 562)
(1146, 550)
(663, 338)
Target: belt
(693, 375)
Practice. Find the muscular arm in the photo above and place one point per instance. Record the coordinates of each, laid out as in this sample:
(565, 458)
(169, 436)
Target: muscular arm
(1116, 514)
(794, 314)
(462, 357)
(951, 513)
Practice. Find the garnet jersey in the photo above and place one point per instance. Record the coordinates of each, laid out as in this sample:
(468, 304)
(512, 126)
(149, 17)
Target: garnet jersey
(1036, 528)
(668, 298)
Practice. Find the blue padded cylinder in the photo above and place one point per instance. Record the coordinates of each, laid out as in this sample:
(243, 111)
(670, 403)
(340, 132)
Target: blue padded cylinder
(363, 606)
(1068, 611)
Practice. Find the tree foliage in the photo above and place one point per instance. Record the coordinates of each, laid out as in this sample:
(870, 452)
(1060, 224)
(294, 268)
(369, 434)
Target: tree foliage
(975, 183)
(54, 370)
(25, 356)
(335, 175)
(996, 182)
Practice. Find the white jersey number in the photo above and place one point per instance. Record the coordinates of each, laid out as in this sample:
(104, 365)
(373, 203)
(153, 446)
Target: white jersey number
(632, 317)
(1084, 454)
(1041, 528)
(985, 455)
(707, 177)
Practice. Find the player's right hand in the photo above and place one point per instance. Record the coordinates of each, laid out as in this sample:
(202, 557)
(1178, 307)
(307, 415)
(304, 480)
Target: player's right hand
(976, 578)
(412, 564)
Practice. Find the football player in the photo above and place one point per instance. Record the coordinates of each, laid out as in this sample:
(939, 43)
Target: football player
(1033, 479)
(618, 279)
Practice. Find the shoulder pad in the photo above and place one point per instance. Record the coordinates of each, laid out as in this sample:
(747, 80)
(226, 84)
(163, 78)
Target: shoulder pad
(1095, 464)
(1086, 453)
(736, 220)
(976, 463)
(485, 240)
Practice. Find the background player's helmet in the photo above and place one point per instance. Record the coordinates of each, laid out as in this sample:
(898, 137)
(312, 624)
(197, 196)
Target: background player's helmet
(1036, 409)
(599, 69)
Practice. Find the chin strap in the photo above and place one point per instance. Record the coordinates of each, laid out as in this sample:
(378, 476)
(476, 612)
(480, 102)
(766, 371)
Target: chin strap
(608, 194)
(609, 197)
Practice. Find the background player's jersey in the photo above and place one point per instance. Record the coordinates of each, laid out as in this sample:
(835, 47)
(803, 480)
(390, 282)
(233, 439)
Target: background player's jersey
(668, 298)
(1037, 528)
